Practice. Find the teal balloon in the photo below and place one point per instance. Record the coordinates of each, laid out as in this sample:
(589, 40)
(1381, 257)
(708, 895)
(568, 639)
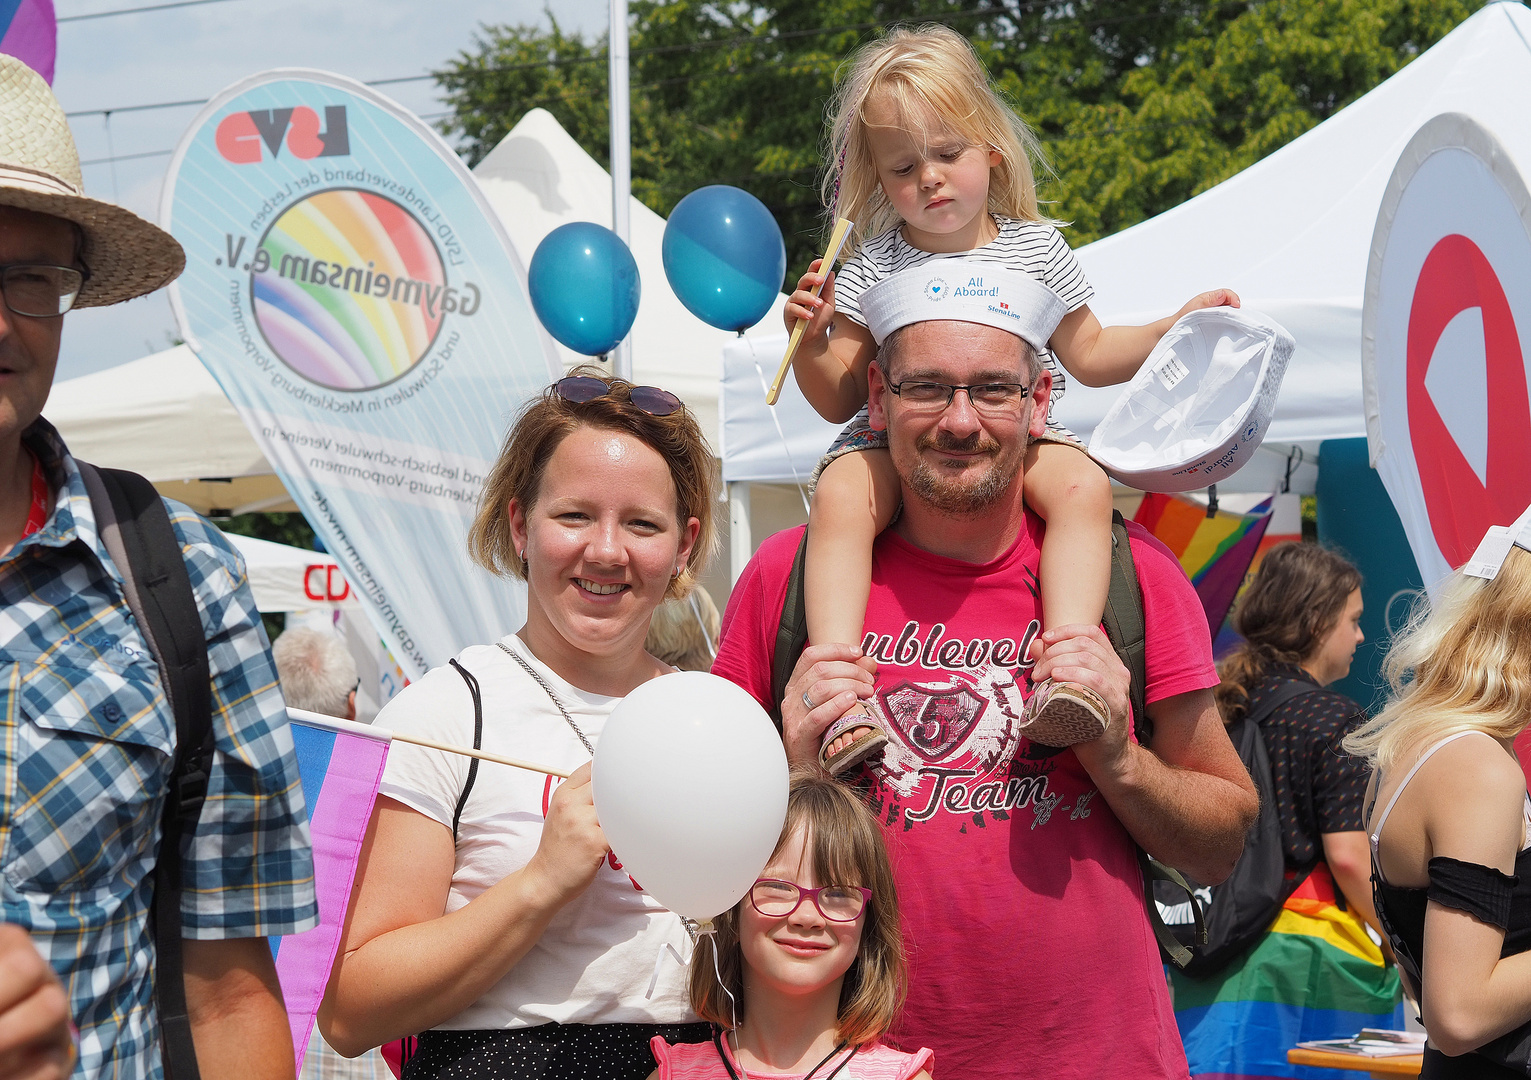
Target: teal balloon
(724, 256)
(584, 286)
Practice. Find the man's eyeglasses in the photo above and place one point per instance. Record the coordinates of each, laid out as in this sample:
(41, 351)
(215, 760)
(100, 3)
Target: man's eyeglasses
(993, 397)
(837, 903)
(40, 291)
(650, 399)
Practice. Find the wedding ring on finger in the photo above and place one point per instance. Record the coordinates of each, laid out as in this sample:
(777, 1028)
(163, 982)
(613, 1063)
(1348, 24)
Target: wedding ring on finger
(807, 703)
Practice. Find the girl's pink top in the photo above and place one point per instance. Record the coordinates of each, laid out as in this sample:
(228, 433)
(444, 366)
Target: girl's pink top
(699, 1061)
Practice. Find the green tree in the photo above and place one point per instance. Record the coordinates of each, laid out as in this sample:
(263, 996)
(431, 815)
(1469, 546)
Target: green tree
(280, 528)
(1140, 104)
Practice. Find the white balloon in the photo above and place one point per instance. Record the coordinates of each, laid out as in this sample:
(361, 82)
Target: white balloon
(690, 786)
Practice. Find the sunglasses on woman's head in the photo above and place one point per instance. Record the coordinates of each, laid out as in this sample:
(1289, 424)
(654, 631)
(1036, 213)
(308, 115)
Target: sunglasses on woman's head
(650, 399)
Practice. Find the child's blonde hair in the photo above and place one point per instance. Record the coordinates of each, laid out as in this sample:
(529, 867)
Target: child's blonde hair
(1462, 663)
(932, 76)
(846, 848)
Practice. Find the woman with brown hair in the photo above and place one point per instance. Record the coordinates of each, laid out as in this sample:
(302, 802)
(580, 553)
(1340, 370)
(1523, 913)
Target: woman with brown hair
(1300, 620)
(488, 913)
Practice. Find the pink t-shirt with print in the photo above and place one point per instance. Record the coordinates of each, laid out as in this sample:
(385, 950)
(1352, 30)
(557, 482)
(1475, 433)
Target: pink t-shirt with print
(1019, 889)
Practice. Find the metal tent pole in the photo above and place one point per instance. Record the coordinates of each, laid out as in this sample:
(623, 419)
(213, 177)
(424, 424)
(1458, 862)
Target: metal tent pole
(621, 158)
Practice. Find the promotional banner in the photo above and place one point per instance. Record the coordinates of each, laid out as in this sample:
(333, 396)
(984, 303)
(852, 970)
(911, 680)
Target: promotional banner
(357, 299)
(1444, 364)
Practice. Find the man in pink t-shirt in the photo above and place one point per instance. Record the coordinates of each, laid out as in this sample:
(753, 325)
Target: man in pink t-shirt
(1031, 952)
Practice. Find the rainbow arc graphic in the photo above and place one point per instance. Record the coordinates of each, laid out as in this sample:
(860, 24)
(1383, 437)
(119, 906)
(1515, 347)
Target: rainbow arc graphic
(351, 297)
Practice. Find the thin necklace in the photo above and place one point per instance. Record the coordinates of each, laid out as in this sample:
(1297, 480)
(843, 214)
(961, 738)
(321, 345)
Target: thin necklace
(717, 1038)
(549, 690)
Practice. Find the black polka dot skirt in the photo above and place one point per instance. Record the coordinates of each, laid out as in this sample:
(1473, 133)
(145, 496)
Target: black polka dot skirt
(546, 1052)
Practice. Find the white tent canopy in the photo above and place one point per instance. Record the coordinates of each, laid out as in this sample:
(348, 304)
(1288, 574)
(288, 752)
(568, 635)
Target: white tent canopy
(1291, 234)
(286, 578)
(164, 416)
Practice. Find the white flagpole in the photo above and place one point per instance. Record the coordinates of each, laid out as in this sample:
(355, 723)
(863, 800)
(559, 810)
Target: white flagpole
(621, 158)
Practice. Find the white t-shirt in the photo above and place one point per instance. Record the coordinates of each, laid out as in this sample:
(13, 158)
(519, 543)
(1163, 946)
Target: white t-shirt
(1033, 247)
(594, 962)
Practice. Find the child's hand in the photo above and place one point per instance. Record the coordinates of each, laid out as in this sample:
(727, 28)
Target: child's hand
(818, 310)
(1215, 298)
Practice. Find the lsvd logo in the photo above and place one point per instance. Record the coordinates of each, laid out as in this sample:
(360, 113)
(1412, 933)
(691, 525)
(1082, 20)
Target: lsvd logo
(243, 138)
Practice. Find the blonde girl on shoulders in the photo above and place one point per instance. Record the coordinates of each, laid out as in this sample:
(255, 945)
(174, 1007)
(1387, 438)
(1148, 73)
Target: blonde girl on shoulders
(929, 162)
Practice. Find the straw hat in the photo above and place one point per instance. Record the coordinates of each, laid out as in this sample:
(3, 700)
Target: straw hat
(40, 170)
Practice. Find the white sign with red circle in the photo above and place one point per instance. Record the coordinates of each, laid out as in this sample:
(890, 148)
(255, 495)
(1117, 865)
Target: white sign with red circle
(1445, 352)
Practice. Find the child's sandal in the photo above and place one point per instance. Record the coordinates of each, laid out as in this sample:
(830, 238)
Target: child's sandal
(866, 745)
(1062, 714)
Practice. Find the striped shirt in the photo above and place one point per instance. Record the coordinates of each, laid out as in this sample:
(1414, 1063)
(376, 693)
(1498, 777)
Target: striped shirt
(87, 742)
(1033, 247)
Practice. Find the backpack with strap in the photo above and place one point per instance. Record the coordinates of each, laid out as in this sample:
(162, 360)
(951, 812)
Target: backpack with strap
(135, 527)
(1127, 631)
(1240, 910)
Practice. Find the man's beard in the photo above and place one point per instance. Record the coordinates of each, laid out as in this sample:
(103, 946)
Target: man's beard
(949, 495)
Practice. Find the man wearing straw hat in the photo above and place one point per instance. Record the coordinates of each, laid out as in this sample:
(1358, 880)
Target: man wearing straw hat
(87, 737)
(1019, 886)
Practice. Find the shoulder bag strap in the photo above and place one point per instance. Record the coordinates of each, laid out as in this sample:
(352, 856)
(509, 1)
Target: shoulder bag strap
(478, 742)
(135, 527)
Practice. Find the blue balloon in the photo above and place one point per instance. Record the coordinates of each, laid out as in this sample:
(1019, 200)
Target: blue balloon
(724, 256)
(584, 286)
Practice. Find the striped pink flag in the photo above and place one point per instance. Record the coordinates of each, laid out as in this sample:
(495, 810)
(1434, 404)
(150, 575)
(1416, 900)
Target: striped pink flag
(29, 32)
(340, 764)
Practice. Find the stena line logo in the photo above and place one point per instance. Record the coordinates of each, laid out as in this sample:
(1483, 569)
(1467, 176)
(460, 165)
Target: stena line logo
(245, 138)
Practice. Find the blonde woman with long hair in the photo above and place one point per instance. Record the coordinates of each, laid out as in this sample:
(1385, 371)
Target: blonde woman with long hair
(1450, 825)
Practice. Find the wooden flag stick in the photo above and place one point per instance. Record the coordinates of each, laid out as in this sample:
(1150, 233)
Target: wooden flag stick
(826, 265)
(335, 723)
(466, 752)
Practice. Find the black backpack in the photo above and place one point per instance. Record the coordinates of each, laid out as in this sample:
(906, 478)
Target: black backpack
(1240, 910)
(1128, 633)
(135, 527)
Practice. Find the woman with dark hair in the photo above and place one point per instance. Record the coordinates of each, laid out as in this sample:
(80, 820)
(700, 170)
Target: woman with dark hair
(1300, 621)
(488, 914)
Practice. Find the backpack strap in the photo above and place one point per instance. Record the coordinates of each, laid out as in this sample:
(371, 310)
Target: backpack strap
(1287, 691)
(135, 527)
(1128, 631)
(1125, 625)
(791, 632)
(478, 742)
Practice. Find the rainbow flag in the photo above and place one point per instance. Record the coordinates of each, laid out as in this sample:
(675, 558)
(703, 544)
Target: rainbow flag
(29, 32)
(1215, 552)
(340, 764)
(1316, 974)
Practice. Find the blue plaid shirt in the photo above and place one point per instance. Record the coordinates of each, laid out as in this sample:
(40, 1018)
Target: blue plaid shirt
(87, 741)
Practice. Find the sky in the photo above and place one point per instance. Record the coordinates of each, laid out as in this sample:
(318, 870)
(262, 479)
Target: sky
(191, 53)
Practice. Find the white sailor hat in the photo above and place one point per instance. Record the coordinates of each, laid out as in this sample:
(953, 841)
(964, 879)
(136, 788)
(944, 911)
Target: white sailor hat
(1199, 406)
(964, 290)
(1495, 547)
